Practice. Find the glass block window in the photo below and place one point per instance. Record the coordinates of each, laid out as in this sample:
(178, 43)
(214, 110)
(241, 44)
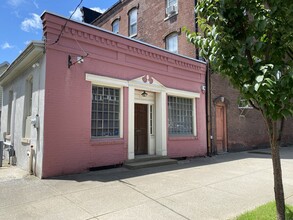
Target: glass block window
(105, 112)
(133, 22)
(180, 117)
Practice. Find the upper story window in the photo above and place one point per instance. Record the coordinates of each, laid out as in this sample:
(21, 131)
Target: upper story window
(132, 22)
(171, 7)
(115, 26)
(172, 42)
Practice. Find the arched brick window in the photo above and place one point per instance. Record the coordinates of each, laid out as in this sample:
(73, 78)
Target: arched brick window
(115, 26)
(172, 42)
(132, 22)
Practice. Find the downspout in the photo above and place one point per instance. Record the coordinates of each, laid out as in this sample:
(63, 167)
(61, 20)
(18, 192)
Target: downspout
(208, 110)
(208, 92)
(196, 28)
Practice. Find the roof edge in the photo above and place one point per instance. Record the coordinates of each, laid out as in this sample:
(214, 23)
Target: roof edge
(33, 45)
(106, 12)
(125, 37)
(5, 63)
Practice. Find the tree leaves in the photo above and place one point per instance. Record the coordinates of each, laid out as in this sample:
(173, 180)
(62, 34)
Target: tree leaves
(251, 43)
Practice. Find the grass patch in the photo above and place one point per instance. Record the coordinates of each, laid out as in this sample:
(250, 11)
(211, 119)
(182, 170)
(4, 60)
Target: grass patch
(266, 212)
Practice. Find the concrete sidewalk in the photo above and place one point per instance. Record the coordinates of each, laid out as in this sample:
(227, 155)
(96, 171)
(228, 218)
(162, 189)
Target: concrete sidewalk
(219, 187)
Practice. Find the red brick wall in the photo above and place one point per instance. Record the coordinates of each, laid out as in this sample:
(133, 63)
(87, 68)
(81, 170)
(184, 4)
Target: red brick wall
(246, 130)
(242, 132)
(152, 25)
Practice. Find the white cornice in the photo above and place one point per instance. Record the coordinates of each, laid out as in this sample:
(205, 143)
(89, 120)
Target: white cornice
(176, 56)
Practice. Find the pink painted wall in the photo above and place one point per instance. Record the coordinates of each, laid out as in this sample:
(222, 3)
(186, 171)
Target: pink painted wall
(191, 146)
(68, 147)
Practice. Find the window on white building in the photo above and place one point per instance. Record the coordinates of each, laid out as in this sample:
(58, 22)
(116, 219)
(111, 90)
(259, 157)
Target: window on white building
(10, 100)
(180, 116)
(115, 26)
(172, 42)
(132, 22)
(105, 112)
(28, 108)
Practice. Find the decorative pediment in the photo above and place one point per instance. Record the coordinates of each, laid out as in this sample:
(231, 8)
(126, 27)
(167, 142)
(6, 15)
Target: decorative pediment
(147, 82)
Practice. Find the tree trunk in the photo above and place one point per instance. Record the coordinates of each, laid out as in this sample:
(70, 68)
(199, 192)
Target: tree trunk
(278, 182)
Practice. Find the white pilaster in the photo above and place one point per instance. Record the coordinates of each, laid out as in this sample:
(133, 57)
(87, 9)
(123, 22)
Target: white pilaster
(161, 124)
(131, 122)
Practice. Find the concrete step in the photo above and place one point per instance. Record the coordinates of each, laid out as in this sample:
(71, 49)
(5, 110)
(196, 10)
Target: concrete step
(141, 158)
(139, 163)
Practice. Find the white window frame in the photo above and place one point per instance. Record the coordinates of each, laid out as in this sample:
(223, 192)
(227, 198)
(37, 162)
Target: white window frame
(9, 113)
(132, 21)
(172, 42)
(112, 83)
(171, 3)
(183, 115)
(28, 108)
(116, 25)
(151, 119)
(190, 95)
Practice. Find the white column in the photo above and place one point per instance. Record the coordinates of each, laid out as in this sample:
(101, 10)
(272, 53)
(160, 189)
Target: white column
(131, 113)
(161, 124)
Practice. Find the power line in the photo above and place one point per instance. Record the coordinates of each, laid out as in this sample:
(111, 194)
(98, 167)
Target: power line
(61, 32)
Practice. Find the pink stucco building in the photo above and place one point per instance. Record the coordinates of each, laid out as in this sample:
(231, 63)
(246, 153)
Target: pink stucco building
(86, 97)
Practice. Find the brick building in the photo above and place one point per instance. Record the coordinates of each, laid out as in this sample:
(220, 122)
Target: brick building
(92, 98)
(231, 127)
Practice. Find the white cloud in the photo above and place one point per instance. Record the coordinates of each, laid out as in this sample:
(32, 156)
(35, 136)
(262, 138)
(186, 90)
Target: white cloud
(78, 15)
(27, 42)
(32, 23)
(15, 3)
(99, 9)
(6, 45)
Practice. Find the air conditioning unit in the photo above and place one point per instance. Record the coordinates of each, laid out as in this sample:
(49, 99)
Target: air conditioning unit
(171, 9)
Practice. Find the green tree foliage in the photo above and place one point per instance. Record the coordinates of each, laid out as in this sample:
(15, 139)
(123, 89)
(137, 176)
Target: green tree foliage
(251, 43)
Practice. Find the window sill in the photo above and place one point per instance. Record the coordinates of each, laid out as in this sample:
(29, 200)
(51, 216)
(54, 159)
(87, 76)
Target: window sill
(133, 36)
(182, 138)
(106, 141)
(25, 140)
(170, 16)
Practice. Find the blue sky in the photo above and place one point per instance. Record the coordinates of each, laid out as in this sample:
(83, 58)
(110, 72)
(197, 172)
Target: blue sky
(20, 21)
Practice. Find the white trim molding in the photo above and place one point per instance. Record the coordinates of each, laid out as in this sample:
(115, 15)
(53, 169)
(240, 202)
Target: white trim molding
(182, 93)
(160, 92)
(106, 81)
(114, 83)
(131, 112)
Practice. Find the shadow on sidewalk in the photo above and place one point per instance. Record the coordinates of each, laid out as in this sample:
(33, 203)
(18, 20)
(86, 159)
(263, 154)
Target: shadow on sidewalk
(121, 173)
